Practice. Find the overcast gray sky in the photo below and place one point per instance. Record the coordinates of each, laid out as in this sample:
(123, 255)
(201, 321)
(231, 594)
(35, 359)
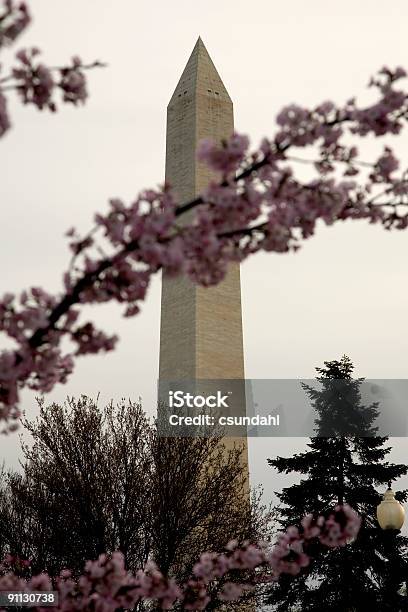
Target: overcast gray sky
(344, 292)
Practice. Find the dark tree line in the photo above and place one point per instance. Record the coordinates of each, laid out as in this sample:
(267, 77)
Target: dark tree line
(98, 480)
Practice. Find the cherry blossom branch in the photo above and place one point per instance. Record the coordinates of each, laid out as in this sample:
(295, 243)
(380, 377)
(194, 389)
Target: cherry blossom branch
(15, 85)
(250, 170)
(89, 278)
(34, 82)
(257, 203)
(107, 585)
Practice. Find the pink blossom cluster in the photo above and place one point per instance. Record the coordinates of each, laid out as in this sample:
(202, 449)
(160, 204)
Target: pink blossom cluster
(387, 115)
(256, 202)
(14, 19)
(225, 159)
(106, 586)
(73, 82)
(35, 82)
(43, 366)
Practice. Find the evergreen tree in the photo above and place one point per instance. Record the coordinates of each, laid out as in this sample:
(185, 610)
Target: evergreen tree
(345, 463)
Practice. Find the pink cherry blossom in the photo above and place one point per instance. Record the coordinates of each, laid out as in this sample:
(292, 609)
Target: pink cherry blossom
(259, 203)
(386, 164)
(73, 83)
(225, 158)
(107, 585)
(34, 81)
(14, 20)
(91, 340)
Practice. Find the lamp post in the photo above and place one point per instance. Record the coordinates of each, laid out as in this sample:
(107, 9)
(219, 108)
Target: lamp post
(390, 513)
(390, 517)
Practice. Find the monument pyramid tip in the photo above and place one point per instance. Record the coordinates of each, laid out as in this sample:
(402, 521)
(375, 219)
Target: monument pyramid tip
(199, 47)
(200, 74)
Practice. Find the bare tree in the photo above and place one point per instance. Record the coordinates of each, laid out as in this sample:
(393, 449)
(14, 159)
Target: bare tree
(84, 485)
(98, 480)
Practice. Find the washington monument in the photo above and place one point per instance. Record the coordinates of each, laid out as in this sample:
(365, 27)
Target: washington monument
(201, 328)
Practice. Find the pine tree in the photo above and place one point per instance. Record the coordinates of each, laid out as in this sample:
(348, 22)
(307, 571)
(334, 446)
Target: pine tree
(368, 573)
